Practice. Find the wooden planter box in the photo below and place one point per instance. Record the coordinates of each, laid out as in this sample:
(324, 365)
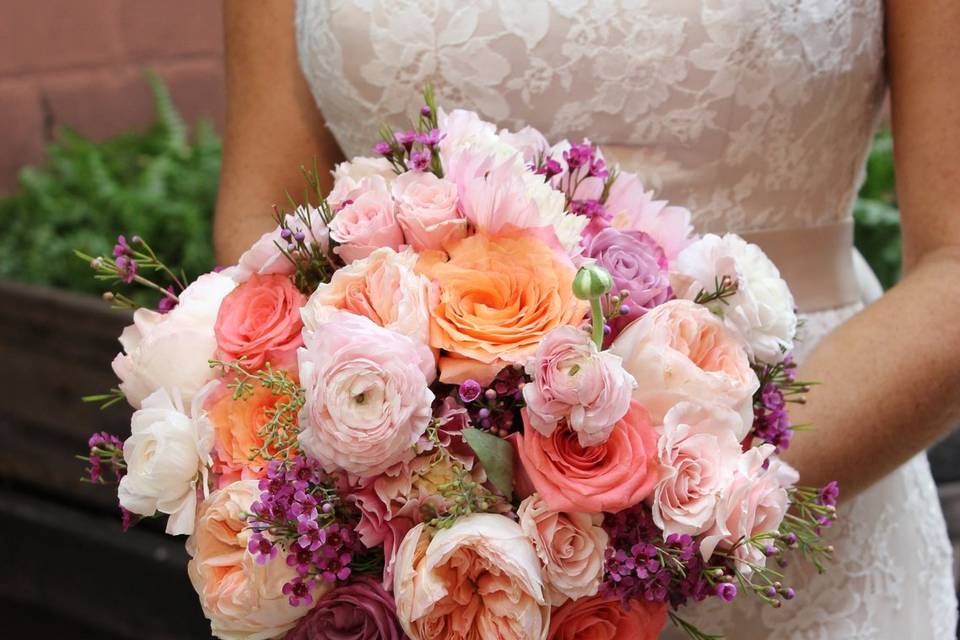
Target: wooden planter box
(68, 569)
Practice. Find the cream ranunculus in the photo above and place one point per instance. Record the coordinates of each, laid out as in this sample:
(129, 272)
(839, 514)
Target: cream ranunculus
(570, 547)
(242, 598)
(480, 578)
(761, 311)
(172, 350)
(167, 457)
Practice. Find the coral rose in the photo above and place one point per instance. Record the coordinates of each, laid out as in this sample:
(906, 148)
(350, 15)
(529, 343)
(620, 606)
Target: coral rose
(680, 351)
(599, 618)
(612, 476)
(383, 287)
(360, 610)
(427, 211)
(367, 395)
(242, 598)
(260, 322)
(478, 579)
(570, 547)
(366, 221)
(495, 299)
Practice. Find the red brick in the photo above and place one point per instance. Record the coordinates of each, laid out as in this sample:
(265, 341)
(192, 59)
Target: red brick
(57, 34)
(21, 130)
(154, 30)
(197, 89)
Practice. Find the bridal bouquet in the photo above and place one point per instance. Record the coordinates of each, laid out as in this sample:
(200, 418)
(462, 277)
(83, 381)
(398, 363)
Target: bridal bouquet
(484, 388)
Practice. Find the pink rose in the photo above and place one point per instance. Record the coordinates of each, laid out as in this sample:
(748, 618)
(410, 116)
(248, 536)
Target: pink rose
(480, 578)
(698, 452)
(366, 221)
(265, 256)
(242, 598)
(612, 476)
(383, 287)
(427, 211)
(600, 618)
(260, 321)
(367, 395)
(680, 351)
(575, 381)
(754, 503)
(360, 610)
(632, 208)
(570, 547)
(347, 176)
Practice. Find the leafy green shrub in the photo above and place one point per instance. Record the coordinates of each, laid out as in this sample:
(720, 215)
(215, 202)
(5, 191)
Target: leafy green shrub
(158, 183)
(876, 214)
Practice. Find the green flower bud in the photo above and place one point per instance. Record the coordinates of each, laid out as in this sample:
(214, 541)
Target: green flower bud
(591, 282)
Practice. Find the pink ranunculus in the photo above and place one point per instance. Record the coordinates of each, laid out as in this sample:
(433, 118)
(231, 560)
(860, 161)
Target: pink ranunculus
(427, 211)
(360, 610)
(265, 256)
(570, 547)
(632, 208)
(755, 503)
(637, 265)
(384, 287)
(680, 351)
(612, 476)
(576, 382)
(480, 578)
(366, 221)
(601, 618)
(699, 453)
(242, 598)
(367, 395)
(260, 322)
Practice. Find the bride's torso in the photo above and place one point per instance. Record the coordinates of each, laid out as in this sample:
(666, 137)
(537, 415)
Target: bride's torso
(754, 114)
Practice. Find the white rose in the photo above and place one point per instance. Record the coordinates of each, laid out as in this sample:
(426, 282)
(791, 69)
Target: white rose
(347, 176)
(172, 350)
(762, 311)
(166, 454)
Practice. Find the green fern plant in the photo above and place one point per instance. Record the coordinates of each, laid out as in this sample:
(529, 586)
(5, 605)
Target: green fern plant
(159, 183)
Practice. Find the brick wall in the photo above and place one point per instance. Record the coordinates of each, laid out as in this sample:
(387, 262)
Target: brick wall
(80, 62)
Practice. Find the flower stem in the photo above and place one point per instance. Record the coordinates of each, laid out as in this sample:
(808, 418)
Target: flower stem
(597, 312)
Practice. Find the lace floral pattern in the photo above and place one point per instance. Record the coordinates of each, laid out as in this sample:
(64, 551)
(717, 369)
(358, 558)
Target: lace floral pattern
(755, 114)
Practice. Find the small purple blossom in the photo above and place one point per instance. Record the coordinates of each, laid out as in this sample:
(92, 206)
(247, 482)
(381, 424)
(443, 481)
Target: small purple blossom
(829, 494)
(167, 303)
(105, 455)
(420, 160)
(589, 208)
(726, 591)
(126, 268)
(549, 168)
(429, 138)
(425, 111)
(382, 149)
(406, 138)
(470, 390)
(122, 248)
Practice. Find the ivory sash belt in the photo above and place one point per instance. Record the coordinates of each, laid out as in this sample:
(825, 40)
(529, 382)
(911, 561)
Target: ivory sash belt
(817, 263)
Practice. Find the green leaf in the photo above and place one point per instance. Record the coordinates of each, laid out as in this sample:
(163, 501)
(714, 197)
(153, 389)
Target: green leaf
(496, 456)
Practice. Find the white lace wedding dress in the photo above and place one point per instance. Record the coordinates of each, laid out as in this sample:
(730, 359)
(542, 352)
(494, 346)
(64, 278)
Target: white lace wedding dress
(754, 114)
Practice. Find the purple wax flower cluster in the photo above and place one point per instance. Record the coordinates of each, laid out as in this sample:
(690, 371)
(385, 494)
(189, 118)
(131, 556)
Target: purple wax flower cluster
(105, 457)
(495, 408)
(123, 257)
(771, 423)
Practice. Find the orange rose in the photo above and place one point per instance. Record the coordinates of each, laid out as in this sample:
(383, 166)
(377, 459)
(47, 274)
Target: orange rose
(599, 618)
(494, 300)
(235, 426)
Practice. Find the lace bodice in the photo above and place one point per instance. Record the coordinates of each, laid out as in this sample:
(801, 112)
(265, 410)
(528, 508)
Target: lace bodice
(754, 114)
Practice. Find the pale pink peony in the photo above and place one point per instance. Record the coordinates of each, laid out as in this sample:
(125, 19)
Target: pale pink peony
(575, 381)
(570, 547)
(632, 208)
(427, 211)
(680, 351)
(242, 598)
(366, 221)
(383, 287)
(367, 395)
(755, 502)
(699, 453)
(480, 578)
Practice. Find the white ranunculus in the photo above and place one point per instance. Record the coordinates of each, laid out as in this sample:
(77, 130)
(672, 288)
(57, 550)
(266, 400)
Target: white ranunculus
(167, 454)
(172, 350)
(762, 310)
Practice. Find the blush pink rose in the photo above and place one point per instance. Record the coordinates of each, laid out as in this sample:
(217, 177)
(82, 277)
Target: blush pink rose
(680, 351)
(572, 380)
(479, 578)
(600, 618)
(347, 177)
(427, 211)
(699, 453)
(754, 503)
(570, 547)
(612, 476)
(367, 395)
(366, 221)
(260, 321)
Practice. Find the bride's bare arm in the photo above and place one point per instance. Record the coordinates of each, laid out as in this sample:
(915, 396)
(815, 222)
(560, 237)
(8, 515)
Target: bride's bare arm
(273, 125)
(891, 375)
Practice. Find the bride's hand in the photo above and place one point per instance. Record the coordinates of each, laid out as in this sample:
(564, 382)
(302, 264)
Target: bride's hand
(273, 125)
